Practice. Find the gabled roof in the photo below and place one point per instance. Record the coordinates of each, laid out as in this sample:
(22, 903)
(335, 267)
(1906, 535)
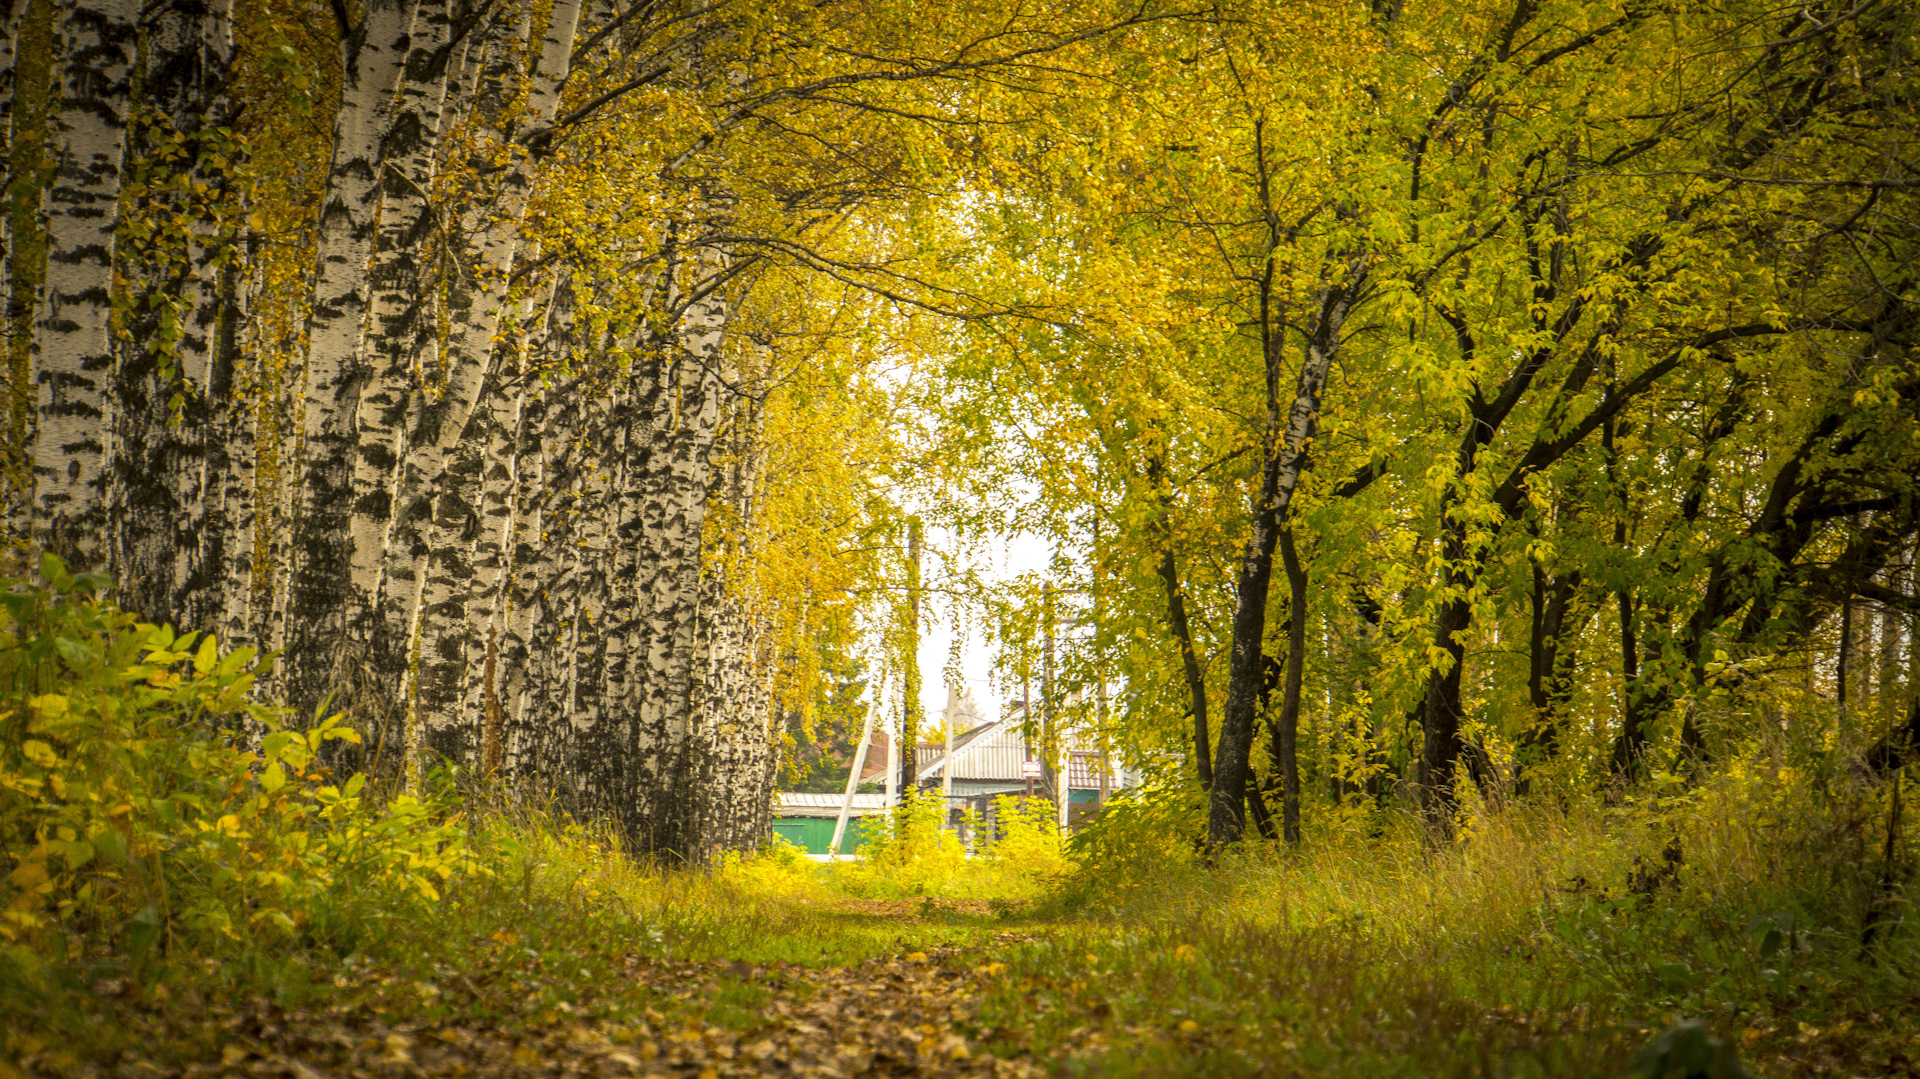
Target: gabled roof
(808, 804)
(997, 752)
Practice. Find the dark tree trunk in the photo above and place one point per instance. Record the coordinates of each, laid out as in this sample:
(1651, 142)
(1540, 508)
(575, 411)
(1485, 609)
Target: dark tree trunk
(171, 420)
(1286, 730)
(1286, 451)
(1549, 679)
(1183, 636)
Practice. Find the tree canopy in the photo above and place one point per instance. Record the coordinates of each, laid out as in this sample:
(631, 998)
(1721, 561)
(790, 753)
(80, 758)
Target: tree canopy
(1427, 402)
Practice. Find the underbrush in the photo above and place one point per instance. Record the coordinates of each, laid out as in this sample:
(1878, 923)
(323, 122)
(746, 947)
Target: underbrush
(163, 829)
(1019, 860)
(1771, 902)
(177, 860)
(178, 865)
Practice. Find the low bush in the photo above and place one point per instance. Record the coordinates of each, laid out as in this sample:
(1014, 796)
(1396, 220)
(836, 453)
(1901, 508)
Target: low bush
(158, 821)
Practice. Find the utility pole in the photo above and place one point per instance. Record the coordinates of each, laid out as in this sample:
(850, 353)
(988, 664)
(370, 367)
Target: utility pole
(1028, 732)
(1055, 776)
(893, 766)
(946, 760)
(1106, 742)
(853, 784)
(1100, 681)
(910, 713)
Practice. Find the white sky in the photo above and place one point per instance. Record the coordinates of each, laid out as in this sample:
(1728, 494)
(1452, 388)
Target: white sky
(1012, 555)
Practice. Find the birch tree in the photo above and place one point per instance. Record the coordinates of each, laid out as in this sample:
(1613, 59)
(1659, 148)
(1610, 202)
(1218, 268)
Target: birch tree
(73, 346)
(319, 653)
(175, 435)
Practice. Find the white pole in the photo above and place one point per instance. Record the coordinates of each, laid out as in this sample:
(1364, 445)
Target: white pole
(893, 766)
(853, 783)
(946, 758)
(1066, 781)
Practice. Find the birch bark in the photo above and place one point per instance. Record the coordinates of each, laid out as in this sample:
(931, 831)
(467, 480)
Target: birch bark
(170, 421)
(319, 655)
(230, 538)
(493, 226)
(396, 322)
(73, 341)
(660, 817)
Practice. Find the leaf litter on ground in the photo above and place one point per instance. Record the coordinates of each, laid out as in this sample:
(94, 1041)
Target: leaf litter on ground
(906, 1014)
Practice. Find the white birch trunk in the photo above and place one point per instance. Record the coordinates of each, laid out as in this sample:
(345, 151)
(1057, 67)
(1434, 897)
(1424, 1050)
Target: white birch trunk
(493, 225)
(441, 618)
(322, 549)
(661, 815)
(94, 43)
(172, 419)
(524, 667)
(398, 318)
(502, 413)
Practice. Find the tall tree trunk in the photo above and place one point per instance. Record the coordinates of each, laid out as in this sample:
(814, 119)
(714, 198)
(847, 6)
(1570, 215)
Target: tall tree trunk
(1285, 451)
(30, 100)
(13, 17)
(397, 332)
(1550, 659)
(319, 655)
(73, 338)
(502, 413)
(171, 421)
(231, 541)
(657, 816)
(445, 436)
(1287, 729)
(1182, 632)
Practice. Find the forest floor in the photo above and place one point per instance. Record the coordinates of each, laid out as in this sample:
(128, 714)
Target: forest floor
(922, 987)
(1496, 962)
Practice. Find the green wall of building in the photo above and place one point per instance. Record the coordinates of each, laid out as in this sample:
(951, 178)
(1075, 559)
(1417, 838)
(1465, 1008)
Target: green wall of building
(815, 834)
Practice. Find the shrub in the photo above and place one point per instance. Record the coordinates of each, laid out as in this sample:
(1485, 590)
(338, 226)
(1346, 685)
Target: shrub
(153, 812)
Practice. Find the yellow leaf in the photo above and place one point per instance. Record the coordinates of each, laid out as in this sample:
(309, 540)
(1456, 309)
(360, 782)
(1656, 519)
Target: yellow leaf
(273, 778)
(29, 875)
(39, 753)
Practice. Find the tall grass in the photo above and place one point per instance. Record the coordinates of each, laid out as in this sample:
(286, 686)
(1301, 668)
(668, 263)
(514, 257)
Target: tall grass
(169, 839)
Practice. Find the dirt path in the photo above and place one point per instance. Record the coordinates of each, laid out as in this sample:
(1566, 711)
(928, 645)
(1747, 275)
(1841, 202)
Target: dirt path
(892, 1017)
(903, 1015)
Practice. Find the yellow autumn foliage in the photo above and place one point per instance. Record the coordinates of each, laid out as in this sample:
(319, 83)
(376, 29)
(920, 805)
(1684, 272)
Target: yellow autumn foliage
(153, 812)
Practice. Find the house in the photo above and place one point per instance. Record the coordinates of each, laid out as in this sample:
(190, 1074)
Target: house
(807, 820)
(990, 759)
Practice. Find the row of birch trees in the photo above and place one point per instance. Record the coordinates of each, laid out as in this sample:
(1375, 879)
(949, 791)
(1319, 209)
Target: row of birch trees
(506, 365)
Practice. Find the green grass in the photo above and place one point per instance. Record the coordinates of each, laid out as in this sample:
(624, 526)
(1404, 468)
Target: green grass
(1517, 951)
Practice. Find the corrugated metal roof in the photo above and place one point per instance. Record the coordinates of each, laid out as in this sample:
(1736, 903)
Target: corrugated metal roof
(807, 804)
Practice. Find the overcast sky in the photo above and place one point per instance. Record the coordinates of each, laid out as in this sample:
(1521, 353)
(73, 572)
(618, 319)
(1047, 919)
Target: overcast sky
(1014, 555)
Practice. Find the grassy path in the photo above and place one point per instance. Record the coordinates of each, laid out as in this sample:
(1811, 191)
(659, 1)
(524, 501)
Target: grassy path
(583, 966)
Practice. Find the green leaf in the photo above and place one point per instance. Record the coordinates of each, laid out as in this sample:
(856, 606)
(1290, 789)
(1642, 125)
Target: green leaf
(78, 657)
(143, 932)
(54, 570)
(273, 778)
(111, 845)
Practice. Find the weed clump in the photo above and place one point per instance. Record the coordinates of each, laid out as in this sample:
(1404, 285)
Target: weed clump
(160, 823)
